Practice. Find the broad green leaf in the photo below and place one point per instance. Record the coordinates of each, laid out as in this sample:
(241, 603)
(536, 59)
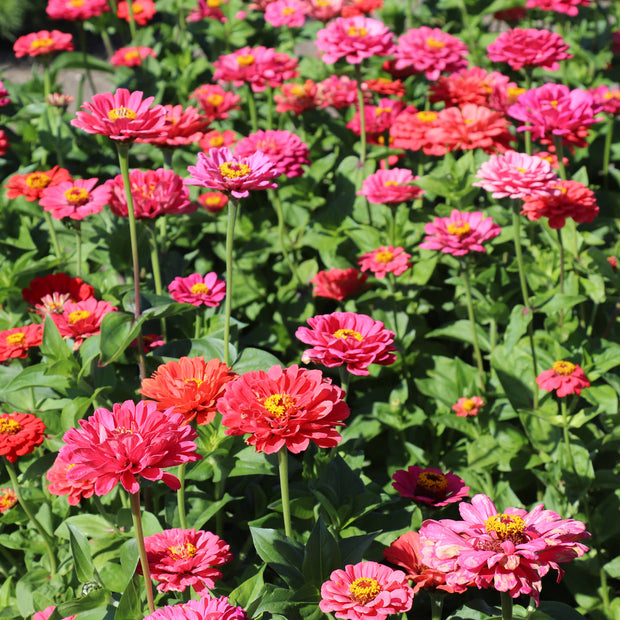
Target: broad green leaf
(82, 559)
(321, 555)
(281, 553)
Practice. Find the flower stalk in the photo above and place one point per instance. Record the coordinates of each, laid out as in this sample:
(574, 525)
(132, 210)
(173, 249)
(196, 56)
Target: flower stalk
(136, 515)
(286, 506)
(472, 320)
(506, 605)
(233, 211)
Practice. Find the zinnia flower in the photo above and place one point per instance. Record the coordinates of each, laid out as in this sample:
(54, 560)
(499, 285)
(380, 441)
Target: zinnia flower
(324, 10)
(49, 293)
(121, 116)
(190, 386)
(390, 187)
(198, 290)
(213, 202)
(429, 486)
(225, 172)
(296, 98)
(181, 558)
(215, 101)
(291, 13)
(4, 143)
(16, 341)
(8, 499)
(32, 184)
(4, 95)
(338, 284)
(208, 9)
(460, 233)
(214, 139)
(182, 127)
(284, 407)
(143, 11)
(20, 434)
(82, 319)
(471, 85)
(385, 86)
(386, 259)
(410, 131)
(337, 91)
(347, 338)
(467, 407)
(127, 443)
(131, 56)
(608, 99)
(42, 43)
(61, 485)
(73, 10)
(366, 590)
(567, 7)
(206, 608)
(74, 199)
(564, 377)
(378, 119)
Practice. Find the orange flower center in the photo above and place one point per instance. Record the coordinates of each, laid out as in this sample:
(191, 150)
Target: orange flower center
(9, 426)
(213, 201)
(121, 112)
(77, 3)
(77, 196)
(78, 315)
(214, 4)
(458, 228)
(506, 527)
(563, 368)
(432, 483)
(384, 257)
(7, 500)
(233, 170)
(364, 590)
(37, 180)
(184, 551)
(354, 31)
(132, 55)
(215, 100)
(297, 90)
(16, 339)
(426, 116)
(137, 8)
(200, 288)
(42, 42)
(245, 60)
(515, 91)
(379, 111)
(288, 10)
(347, 333)
(391, 184)
(554, 103)
(216, 141)
(612, 94)
(468, 405)
(278, 405)
(434, 43)
(521, 170)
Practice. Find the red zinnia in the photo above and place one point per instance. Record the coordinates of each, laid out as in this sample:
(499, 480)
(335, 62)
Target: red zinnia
(338, 284)
(284, 407)
(143, 11)
(32, 184)
(49, 293)
(20, 434)
(213, 202)
(74, 199)
(42, 43)
(411, 129)
(182, 127)
(429, 486)
(564, 377)
(16, 341)
(198, 290)
(190, 386)
(61, 485)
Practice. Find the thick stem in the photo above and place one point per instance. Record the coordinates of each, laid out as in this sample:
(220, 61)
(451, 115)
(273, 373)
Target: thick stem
(283, 234)
(436, 603)
(233, 209)
(136, 515)
(559, 151)
(155, 266)
(269, 107)
(561, 246)
(286, 506)
(345, 379)
(181, 496)
(506, 605)
(472, 320)
(132, 20)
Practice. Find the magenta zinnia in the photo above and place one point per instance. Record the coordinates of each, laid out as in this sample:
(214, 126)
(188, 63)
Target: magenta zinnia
(198, 290)
(429, 486)
(206, 608)
(390, 187)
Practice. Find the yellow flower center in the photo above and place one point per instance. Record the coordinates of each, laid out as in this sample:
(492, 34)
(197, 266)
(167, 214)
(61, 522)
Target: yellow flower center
(184, 551)
(347, 333)
(432, 483)
(278, 405)
(245, 60)
(554, 103)
(468, 405)
(612, 94)
(16, 339)
(384, 257)
(507, 527)
(515, 91)
(215, 99)
(8, 499)
(121, 112)
(195, 381)
(37, 180)
(214, 4)
(77, 196)
(213, 201)
(77, 3)
(288, 10)
(132, 55)
(216, 141)
(137, 8)
(391, 184)
(200, 288)
(78, 315)
(379, 111)
(364, 590)
(354, 31)
(434, 43)
(521, 170)
(297, 90)
(458, 228)
(426, 116)
(42, 42)
(9, 426)
(233, 170)
(563, 368)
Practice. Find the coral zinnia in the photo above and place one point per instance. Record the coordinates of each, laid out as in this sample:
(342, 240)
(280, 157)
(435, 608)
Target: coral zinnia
(16, 341)
(390, 187)
(564, 377)
(127, 443)
(191, 386)
(284, 407)
(215, 101)
(386, 259)
(347, 338)
(296, 98)
(429, 486)
(180, 558)
(74, 199)
(143, 11)
(82, 319)
(198, 290)
(206, 608)
(20, 434)
(49, 293)
(467, 407)
(338, 284)
(42, 43)
(131, 56)
(31, 185)
(8, 499)
(366, 590)
(61, 485)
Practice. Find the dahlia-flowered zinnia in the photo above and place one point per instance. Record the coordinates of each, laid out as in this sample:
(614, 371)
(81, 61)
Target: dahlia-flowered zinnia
(74, 10)
(75, 199)
(42, 43)
(122, 116)
(219, 169)
(8, 499)
(354, 39)
(508, 551)
(429, 486)
(378, 119)
(337, 91)
(468, 407)
(82, 319)
(190, 386)
(390, 187)
(410, 131)
(206, 608)
(130, 442)
(563, 377)
(131, 56)
(385, 86)
(384, 260)
(284, 407)
(215, 101)
(198, 290)
(20, 434)
(32, 184)
(75, 490)
(347, 338)
(291, 13)
(366, 590)
(460, 233)
(143, 11)
(16, 341)
(180, 558)
(608, 99)
(49, 293)
(338, 284)
(567, 7)
(324, 10)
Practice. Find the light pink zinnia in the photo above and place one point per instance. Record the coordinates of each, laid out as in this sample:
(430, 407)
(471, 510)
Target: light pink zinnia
(563, 377)
(460, 233)
(206, 608)
(429, 486)
(127, 443)
(430, 51)
(74, 199)
(366, 590)
(61, 485)
(517, 175)
(180, 558)
(291, 13)
(390, 187)
(198, 290)
(355, 39)
(222, 171)
(82, 319)
(529, 47)
(348, 338)
(386, 259)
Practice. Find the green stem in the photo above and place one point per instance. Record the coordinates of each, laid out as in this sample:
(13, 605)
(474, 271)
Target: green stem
(345, 379)
(181, 496)
(607, 151)
(436, 604)
(559, 151)
(136, 515)
(286, 506)
(233, 209)
(472, 320)
(48, 541)
(155, 266)
(269, 107)
(506, 605)
(565, 425)
(132, 20)
(392, 211)
(561, 246)
(283, 235)
(360, 104)
(252, 109)
(50, 226)
(78, 249)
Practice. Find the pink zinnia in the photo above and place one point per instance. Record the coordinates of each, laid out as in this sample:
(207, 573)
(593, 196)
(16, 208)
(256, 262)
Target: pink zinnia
(73, 10)
(378, 119)
(47, 612)
(215, 139)
(468, 407)
(429, 486)
(284, 149)
(430, 51)
(154, 192)
(508, 551)
(296, 98)
(284, 407)
(74, 199)
(567, 7)
(225, 172)
(386, 259)
(42, 43)
(564, 377)
(355, 39)
(608, 99)
(131, 56)
(121, 116)
(61, 485)
(338, 284)
(186, 558)
(324, 10)
(460, 233)
(207, 10)
(529, 47)
(390, 187)
(348, 338)
(337, 91)
(183, 126)
(206, 608)
(215, 101)
(517, 175)
(143, 11)
(82, 319)
(127, 443)
(198, 290)
(291, 13)
(366, 590)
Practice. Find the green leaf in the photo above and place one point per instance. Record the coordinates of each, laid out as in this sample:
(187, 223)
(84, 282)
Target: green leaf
(83, 561)
(559, 611)
(281, 553)
(255, 359)
(517, 326)
(93, 526)
(54, 347)
(36, 376)
(613, 568)
(461, 330)
(130, 605)
(118, 329)
(78, 60)
(248, 594)
(129, 558)
(321, 556)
